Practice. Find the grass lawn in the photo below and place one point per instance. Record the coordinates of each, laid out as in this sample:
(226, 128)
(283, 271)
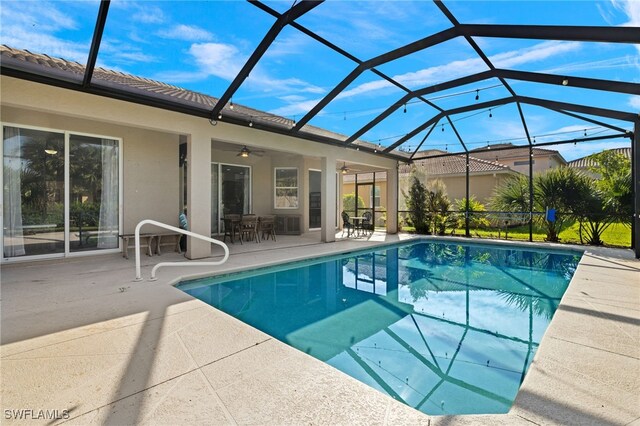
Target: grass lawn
(616, 235)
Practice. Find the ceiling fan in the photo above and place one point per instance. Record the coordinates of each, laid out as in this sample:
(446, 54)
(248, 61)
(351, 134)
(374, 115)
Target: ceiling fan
(246, 152)
(344, 169)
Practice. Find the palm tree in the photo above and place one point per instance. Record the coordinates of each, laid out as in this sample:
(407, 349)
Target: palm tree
(562, 189)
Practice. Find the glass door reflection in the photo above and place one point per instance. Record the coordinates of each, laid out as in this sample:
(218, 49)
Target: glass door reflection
(33, 193)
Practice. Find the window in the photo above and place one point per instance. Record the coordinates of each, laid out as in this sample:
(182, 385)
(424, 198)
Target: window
(375, 202)
(286, 188)
(523, 163)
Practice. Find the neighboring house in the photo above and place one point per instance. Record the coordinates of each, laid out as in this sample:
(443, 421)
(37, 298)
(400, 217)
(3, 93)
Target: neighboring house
(81, 168)
(371, 188)
(484, 175)
(517, 158)
(584, 163)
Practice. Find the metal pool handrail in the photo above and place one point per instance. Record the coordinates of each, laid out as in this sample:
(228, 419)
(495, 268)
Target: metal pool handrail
(181, 231)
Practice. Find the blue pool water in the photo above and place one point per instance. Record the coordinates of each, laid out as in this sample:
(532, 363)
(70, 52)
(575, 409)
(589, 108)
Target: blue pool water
(445, 328)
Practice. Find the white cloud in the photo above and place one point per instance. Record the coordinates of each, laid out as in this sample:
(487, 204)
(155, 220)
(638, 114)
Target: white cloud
(295, 109)
(538, 52)
(37, 16)
(455, 69)
(634, 102)
(32, 26)
(187, 33)
(293, 44)
(451, 70)
(225, 61)
(218, 59)
(609, 63)
(631, 8)
(37, 42)
(292, 98)
(148, 15)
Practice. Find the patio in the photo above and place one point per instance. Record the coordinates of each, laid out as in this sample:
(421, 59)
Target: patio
(80, 335)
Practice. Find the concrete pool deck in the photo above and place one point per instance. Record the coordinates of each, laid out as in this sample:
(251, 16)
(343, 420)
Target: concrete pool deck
(80, 335)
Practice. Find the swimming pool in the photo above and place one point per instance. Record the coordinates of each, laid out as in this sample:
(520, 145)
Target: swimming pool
(446, 328)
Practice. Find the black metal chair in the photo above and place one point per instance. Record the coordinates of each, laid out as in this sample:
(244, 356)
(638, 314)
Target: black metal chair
(346, 224)
(367, 222)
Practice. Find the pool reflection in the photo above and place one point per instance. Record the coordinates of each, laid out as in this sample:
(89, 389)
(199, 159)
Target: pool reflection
(444, 328)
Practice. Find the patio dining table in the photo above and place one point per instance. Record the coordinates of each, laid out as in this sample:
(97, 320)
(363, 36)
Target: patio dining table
(357, 223)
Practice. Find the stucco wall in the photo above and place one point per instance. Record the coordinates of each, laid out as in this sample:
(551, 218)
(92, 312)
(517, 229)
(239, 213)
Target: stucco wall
(150, 163)
(480, 186)
(199, 133)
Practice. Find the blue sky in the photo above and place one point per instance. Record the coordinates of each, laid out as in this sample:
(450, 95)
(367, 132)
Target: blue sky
(201, 46)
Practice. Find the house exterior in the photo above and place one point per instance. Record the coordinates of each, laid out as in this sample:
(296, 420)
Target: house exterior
(484, 175)
(81, 169)
(451, 170)
(517, 158)
(584, 163)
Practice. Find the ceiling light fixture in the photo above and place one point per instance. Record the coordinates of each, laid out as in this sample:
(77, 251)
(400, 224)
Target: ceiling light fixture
(490, 115)
(244, 152)
(213, 122)
(230, 104)
(250, 123)
(477, 94)
(443, 127)
(405, 108)
(565, 81)
(51, 151)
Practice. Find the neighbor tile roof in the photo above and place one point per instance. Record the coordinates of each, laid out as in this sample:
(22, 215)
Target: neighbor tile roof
(456, 165)
(584, 162)
(515, 151)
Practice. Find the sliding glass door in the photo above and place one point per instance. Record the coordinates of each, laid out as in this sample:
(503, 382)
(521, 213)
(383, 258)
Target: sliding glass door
(33, 192)
(230, 192)
(94, 183)
(61, 192)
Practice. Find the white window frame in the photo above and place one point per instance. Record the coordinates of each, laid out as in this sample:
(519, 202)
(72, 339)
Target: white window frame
(275, 188)
(67, 252)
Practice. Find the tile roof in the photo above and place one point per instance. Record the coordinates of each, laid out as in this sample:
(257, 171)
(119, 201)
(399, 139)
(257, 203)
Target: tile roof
(584, 162)
(456, 165)
(74, 72)
(507, 150)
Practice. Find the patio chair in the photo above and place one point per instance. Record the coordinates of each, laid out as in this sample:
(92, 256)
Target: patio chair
(231, 227)
(268, 226)
(346, 224)
(367, 222)
(249, 228)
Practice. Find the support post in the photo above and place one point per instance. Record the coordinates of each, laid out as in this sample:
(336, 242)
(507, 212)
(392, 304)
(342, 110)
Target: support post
(635, 176)
(466, 206)
(530, 192)
(392, 200)
(328, 200)
(199, 194)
